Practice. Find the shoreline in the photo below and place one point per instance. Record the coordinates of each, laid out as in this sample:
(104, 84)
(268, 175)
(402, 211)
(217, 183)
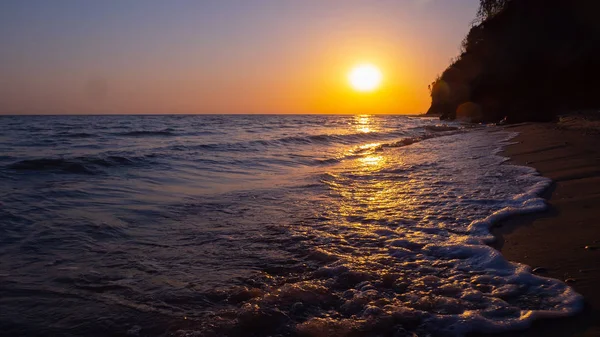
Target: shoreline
(564, 240)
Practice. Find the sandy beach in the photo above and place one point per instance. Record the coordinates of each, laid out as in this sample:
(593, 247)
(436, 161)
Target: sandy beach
(563, 241)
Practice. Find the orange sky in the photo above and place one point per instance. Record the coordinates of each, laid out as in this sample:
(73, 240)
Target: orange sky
(261, 56)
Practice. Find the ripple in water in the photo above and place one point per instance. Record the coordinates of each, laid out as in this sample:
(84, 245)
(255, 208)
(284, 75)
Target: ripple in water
(404, 254)
(323, 226)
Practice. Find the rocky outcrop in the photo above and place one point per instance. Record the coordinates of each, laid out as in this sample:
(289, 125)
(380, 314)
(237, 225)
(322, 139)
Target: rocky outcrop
(525, 60)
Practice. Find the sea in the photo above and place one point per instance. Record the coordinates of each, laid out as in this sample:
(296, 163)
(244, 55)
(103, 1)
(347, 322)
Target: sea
(262, 225)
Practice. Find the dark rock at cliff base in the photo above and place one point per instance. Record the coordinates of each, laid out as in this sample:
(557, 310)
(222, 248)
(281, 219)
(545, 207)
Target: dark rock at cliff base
(523, 60)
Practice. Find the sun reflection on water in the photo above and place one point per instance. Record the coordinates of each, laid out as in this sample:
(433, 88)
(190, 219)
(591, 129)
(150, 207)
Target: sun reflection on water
(369, 146)
(364, 124)
(389, 247)
(373, 161)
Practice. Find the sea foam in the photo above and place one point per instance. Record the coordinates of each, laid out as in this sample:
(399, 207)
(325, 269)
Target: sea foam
(404, 251)
(263, 226)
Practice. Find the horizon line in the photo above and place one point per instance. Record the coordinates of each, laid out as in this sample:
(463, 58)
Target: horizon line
(219, 114)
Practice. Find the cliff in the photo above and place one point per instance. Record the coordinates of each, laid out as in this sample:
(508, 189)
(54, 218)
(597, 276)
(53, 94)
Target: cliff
(525, 60)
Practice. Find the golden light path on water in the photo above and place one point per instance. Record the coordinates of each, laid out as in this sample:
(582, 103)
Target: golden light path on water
(370, 162)
(390, 246)
(363, 124)
(323, 226)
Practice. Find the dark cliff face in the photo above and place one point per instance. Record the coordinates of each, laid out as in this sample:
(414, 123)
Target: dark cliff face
(526, 61)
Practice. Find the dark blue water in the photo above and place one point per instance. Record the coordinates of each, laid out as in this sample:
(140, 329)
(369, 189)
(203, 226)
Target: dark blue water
(257, 226)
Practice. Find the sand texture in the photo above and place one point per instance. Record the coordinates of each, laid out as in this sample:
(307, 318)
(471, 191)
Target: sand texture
(564, 242)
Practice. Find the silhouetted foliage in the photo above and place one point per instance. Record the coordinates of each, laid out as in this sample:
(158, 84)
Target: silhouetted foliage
(489, 8)
(524, 59)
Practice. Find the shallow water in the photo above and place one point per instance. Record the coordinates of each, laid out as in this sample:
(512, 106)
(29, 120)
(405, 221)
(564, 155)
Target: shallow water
(261, 226)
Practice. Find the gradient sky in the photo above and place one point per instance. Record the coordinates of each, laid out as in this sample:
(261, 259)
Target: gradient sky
(223, 56)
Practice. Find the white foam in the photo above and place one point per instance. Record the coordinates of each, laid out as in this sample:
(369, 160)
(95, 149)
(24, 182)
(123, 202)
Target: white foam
(514, 275)
(408, 251)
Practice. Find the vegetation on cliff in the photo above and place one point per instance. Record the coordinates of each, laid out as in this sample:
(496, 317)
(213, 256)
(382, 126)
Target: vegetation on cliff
(525, 60)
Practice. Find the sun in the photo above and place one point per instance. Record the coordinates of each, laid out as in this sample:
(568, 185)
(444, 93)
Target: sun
(365, 78)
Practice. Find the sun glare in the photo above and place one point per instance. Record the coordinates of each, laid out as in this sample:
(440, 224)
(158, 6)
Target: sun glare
(365, 78)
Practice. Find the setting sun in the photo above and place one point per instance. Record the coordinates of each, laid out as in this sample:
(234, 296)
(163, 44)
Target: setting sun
(365, 78)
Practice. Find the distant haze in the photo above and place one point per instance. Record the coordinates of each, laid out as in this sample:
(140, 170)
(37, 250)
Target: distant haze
(222, 56)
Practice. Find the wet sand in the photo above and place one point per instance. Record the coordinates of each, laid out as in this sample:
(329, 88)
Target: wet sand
(564, 240)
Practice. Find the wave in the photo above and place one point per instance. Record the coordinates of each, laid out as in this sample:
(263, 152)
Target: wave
(362, 150)
(370, 148)
(76, 135)
(337, 138)
(391, 249)
(390, 272)
(440, 128)
(50, 164)
(319, 139)
(330, 139)
(146, 133)
(77, 165)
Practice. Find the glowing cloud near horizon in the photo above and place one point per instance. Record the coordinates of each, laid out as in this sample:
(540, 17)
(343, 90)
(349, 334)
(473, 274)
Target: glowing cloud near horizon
(365, 78)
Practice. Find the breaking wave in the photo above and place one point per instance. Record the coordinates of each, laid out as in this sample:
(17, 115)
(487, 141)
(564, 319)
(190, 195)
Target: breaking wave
(263, 226)
(381, 270)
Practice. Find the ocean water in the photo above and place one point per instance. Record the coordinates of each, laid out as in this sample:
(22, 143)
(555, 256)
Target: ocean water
(262, 226)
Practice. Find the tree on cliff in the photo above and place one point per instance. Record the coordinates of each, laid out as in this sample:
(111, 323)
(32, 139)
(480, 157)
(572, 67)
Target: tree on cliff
(524, 60)
(489, 8)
